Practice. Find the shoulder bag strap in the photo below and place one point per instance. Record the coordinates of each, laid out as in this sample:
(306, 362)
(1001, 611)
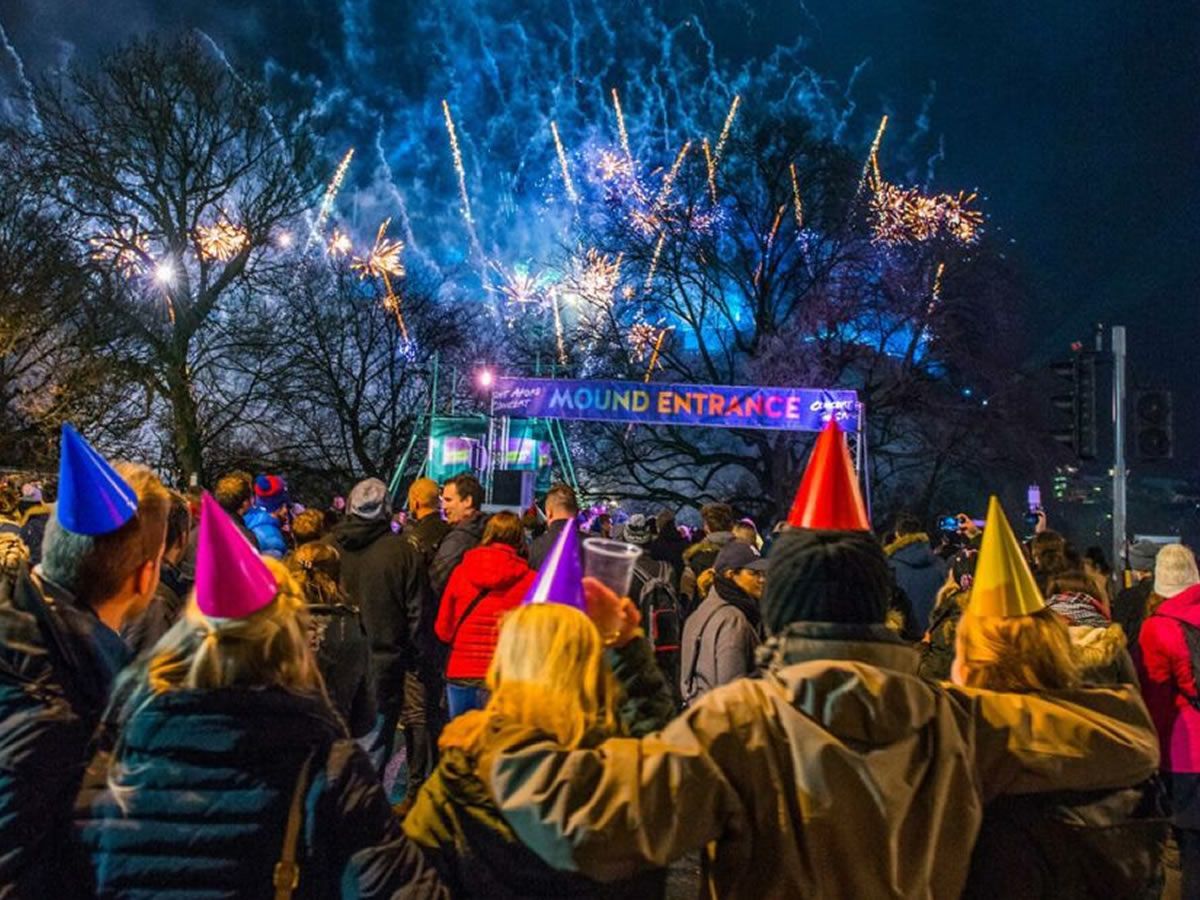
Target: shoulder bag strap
(287, 871)
(467, 612)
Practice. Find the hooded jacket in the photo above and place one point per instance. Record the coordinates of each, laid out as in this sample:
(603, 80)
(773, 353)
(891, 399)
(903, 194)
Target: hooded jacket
(1168, 679)
(207, 778)
(458, 540)
(842, 747)
(381, 574)
(503, 578)
(426, 535)
(1102, 654)
(919, 573)
(53, 689)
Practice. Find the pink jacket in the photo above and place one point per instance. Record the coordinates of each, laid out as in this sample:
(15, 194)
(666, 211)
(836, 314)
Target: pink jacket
(1165, 669)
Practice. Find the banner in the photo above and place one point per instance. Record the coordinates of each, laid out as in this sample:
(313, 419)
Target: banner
(721, 406)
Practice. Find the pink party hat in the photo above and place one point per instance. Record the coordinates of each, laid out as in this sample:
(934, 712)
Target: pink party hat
(560, 579)
(232, 581)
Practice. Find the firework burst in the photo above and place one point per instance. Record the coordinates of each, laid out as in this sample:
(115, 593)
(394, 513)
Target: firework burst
(339, 244)
(221, 241)
(125, 249)
(901, 216)
(383, 260)
(518, 286)
(595, 277)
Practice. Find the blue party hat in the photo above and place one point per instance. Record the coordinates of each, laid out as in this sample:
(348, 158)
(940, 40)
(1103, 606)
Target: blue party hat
(560, 579)
(92, 498)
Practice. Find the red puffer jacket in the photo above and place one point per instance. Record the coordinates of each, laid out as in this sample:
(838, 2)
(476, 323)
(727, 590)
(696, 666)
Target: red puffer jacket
(1167, 679)
(506, 577)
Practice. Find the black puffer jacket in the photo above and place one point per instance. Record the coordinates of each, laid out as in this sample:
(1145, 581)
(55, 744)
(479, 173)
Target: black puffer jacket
(458, 540)
(426, 535)
(343, 656)
(207, 779)
(52, 692)
(381, 573)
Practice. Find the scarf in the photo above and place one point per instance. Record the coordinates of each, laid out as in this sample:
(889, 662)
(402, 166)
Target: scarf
(728, 591)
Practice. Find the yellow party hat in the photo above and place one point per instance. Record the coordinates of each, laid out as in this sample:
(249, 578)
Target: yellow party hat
(1003, 584)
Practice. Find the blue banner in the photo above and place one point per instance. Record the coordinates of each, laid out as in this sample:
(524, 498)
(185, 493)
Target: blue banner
(721, 406)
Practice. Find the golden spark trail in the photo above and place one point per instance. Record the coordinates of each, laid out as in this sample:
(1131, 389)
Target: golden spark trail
(558, 329)
(331, 192)
(872, 163)
(458, 166)
(654, 355)
(712, 173)
(797, 206)
(733, 107)
(936, 294)
(654, 261)
(669, 180)
(621, 128)
(562, 161)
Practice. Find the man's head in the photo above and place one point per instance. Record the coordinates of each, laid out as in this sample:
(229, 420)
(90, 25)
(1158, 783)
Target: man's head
(826, 576)
(561, 503)
(461, 498)
(603, 525)
(179, 528)
(271, 494)
(745, 532)
(637, 530)
(716, 517)
(665, 520)
(423, 498)
(114, 573)
(369, 500)
(907, 523)
(1141, 556)
(234, 492)
(740, 563)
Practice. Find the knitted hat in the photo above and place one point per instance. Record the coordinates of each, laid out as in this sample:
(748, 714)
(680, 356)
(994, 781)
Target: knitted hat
(1174, 570)
(826, 576)
(739, 555)
(1141, 555)
(270, 492)
(369, 499)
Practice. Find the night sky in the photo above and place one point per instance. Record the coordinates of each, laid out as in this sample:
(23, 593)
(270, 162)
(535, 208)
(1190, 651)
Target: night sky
(1079, 123)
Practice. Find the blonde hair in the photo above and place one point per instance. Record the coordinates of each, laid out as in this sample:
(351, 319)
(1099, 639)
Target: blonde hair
(548, 671)
(1015, 653)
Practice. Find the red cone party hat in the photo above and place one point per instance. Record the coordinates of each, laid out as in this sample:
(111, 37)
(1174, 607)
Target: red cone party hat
(829, 498)
(232, 581)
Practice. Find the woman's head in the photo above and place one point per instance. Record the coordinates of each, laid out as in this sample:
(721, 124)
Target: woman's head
(1046, 546)
(267, 648)
(1014, 653)
(549, 671)
(309, 526)
(504, 528)
(317, 568)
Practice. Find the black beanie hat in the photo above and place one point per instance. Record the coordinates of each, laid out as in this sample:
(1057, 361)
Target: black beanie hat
(826, 576)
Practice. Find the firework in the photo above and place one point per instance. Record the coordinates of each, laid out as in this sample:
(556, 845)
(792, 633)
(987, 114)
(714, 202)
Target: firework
(613, 165)
(712, 173)
(668, 181)
(331, 192)
(558, 329)
(907, 216)
(458, 167)
(391, 302)
(124, 249)
(596, 277)
(339, 244)
(383, 260)
(654, 260)
(562, 161)
(872, 162)
(642, 338)
(797, 206)
(733, 107)
(936, 293)
(221, 241)
(518, 286)
(621, 129)
(658, 342)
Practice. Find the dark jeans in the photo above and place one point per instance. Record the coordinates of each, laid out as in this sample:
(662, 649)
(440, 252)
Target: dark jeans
(463, 697)
(418, 712)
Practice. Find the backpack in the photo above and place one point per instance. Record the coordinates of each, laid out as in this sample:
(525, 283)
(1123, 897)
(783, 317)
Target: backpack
(658, 602)
(1191, 636)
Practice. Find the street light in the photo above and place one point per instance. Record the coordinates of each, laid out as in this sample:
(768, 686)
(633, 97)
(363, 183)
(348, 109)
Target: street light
(164, 273)
(485, 378)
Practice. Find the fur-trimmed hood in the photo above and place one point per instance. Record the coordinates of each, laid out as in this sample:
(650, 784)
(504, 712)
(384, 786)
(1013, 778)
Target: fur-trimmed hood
(1095, 647)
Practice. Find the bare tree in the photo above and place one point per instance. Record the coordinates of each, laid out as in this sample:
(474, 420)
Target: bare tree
(185, 184)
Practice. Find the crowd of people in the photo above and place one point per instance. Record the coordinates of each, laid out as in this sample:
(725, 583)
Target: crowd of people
(210, 694)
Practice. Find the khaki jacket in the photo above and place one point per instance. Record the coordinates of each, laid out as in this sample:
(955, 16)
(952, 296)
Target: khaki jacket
(839, 774)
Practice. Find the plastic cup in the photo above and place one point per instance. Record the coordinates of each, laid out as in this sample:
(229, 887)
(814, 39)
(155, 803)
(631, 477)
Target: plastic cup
(611, 563)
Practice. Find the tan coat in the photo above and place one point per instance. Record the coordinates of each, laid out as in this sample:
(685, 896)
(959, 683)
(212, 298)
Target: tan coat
(845, 775)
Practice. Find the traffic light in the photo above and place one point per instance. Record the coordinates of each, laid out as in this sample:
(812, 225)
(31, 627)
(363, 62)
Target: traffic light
(1153, 425)
(1078, 430)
